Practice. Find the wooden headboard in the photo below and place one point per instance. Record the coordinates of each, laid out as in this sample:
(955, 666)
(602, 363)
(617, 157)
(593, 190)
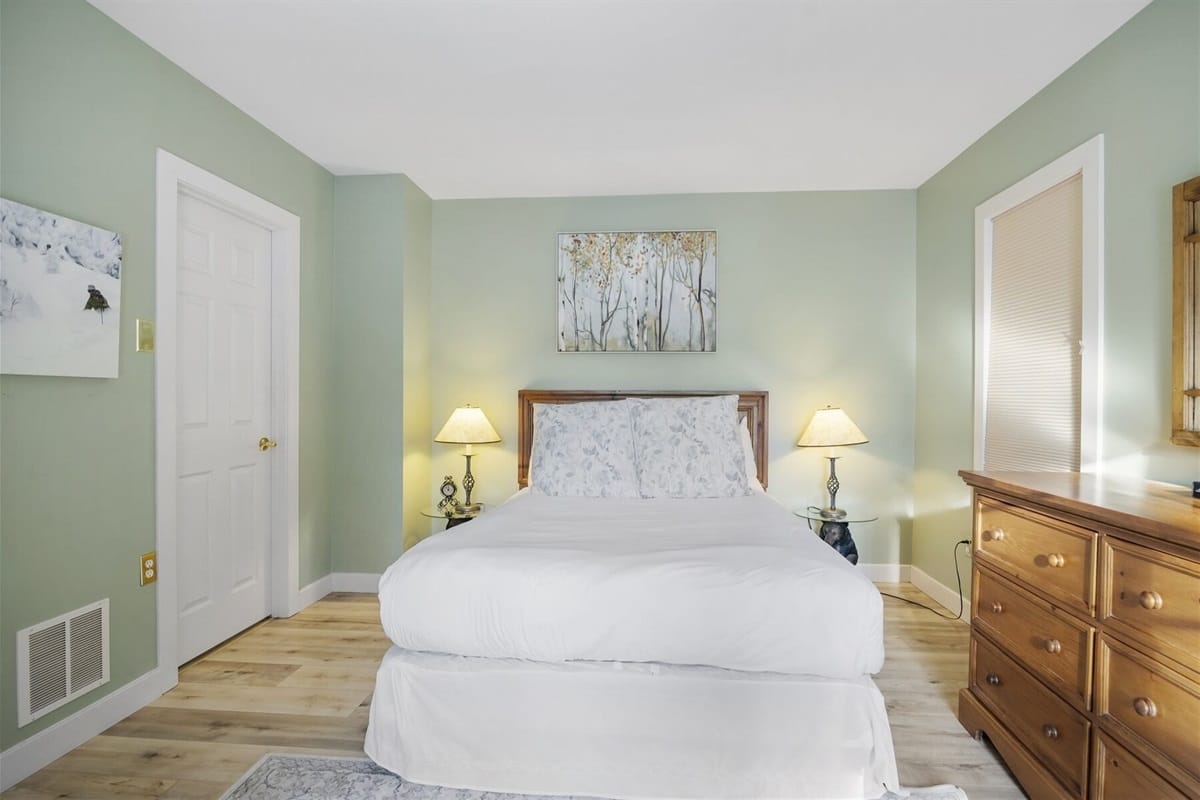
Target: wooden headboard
(751, 405)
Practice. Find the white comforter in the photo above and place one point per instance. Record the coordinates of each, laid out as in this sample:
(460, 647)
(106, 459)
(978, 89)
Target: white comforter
(736, 583)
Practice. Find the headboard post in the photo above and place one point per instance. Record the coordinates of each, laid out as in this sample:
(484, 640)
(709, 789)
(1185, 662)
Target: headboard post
(751, 404)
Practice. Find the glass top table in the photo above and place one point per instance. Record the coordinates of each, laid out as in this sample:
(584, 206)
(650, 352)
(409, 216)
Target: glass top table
(814, 515)
(835, 532)
(433, 512)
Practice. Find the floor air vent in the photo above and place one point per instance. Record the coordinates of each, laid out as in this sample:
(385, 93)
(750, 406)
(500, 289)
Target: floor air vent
(60, 659)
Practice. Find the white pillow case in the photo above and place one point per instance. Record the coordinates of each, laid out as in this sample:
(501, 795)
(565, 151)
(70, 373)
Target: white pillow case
(583, 450)
(688, 447)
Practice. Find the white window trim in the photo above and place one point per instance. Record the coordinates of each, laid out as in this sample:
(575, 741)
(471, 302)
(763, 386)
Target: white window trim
(1086, 160)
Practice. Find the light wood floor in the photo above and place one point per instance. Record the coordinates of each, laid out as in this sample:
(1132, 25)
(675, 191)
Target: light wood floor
(303, 685)
(926, 666)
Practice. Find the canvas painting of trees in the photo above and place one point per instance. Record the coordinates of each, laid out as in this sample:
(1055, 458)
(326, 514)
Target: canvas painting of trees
(637, 292)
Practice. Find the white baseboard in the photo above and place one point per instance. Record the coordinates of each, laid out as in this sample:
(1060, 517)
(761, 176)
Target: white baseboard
(311, 594)
(366, 582)
(941, 593)
(886, 573)
(26, 757)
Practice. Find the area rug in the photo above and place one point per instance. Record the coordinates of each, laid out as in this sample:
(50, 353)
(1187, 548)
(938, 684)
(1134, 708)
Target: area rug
(291, 777)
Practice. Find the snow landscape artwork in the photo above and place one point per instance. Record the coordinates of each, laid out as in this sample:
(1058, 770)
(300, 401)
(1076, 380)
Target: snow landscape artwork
(60, 295)
(641, 292)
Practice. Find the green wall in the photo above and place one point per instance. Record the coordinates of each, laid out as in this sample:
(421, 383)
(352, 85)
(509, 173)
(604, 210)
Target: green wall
(816, 305)
(369, 370)
(418, 363)
(381, 387)
(1141, 89)
(85, 104)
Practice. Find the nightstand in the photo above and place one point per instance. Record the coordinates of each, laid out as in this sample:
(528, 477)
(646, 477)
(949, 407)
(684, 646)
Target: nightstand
(452, 519)
(836, 532)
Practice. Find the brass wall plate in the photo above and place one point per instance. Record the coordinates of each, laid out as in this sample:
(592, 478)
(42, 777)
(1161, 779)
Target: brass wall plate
(148, 568)
(145, 336)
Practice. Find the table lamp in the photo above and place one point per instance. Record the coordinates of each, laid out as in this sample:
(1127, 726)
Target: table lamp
(831, 427)
(467, 426)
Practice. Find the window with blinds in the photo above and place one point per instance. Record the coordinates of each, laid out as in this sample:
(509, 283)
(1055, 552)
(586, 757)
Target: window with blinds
(1033, 330)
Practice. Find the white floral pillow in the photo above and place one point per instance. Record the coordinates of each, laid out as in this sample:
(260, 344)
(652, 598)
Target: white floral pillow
(688, 447)
(583, 450)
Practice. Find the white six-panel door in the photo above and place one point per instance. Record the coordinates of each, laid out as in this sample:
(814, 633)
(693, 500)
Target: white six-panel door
(223, 410)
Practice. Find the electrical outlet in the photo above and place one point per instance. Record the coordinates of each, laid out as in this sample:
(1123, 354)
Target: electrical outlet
(148, 568)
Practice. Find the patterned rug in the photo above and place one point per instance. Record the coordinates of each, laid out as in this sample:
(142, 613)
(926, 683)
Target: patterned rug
(289, 777)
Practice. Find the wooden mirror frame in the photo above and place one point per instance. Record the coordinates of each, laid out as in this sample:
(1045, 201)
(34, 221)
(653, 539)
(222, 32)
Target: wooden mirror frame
(1185, 338)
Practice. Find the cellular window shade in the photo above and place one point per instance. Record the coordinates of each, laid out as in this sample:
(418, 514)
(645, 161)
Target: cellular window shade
(1032, 411)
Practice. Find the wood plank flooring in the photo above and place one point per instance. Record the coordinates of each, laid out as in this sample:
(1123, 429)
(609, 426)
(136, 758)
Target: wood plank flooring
(925, 668)
(303, 685)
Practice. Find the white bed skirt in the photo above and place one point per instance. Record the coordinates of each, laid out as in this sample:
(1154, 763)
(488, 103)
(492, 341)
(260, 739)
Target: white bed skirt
(628, 731)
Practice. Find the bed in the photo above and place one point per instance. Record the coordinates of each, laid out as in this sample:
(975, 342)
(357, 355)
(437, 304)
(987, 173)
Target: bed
(625, 647)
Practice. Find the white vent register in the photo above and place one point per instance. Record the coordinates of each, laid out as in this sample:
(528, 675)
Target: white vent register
(61, 659)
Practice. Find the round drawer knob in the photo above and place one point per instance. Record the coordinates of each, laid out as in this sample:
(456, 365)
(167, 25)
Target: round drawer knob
(993, 679)
(1050, 731)
(996, 607)
(1053, 646)
(1056, 560)
(997, 535)
(1145, 707)
(1150, 600)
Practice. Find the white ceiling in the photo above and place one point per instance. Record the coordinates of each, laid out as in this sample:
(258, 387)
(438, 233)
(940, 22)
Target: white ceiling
(525, 98)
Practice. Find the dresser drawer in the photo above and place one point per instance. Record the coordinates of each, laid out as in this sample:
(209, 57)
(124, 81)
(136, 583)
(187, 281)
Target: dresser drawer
(1158, 704)
(1055, 733)
(1153, 597)
(1054, 646)
(1053, 555)
(1118, 775)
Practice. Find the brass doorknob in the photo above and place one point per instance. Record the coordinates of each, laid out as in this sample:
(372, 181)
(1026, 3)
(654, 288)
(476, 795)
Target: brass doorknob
(266, 444)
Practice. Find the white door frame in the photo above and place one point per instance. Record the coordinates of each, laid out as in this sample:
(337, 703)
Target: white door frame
(1086, 160)
(174, 175)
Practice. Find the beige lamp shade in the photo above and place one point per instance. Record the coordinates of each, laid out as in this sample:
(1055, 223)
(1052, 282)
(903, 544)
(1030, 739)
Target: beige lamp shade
(831, 427)
(467, 425)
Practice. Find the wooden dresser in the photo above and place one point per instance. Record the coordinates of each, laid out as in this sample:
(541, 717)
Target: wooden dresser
(1085, 634)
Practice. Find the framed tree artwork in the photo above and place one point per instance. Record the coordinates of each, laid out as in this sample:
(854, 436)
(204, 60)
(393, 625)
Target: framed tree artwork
(637, 292)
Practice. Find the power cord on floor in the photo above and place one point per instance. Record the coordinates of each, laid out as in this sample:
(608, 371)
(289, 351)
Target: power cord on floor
(957, 577)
